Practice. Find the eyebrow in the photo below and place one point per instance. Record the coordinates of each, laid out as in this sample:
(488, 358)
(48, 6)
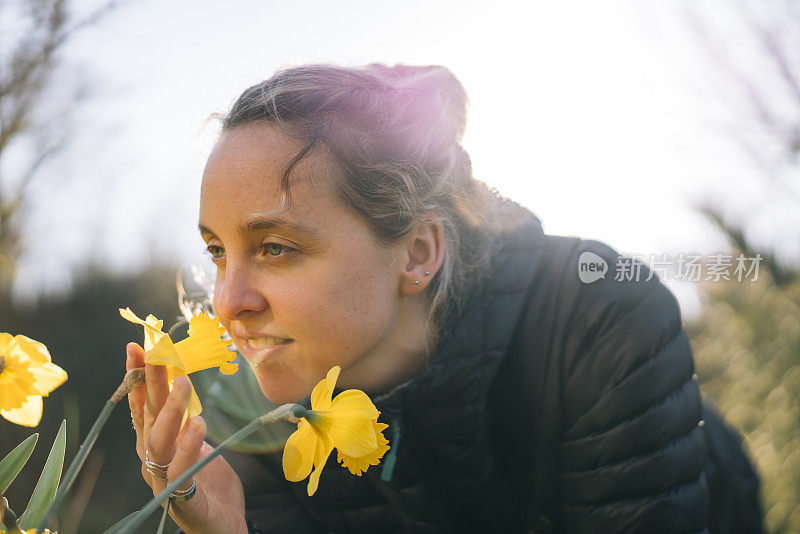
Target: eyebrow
(269, 223)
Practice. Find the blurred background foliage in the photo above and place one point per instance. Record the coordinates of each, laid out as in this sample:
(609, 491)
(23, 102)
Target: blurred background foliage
(746, 337)
(86, 336)
(747, 354)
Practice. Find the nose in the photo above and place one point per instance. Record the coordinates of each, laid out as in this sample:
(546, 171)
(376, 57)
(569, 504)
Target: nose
(237, 295)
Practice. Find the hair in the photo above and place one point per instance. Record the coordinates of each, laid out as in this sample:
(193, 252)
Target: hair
(395, 135)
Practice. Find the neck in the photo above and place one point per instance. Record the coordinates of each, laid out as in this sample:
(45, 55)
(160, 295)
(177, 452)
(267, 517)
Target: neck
(403, 354)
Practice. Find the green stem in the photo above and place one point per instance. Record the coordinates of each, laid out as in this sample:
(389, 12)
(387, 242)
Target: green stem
(277, 414)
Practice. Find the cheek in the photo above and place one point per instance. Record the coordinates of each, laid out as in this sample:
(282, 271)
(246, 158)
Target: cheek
(347, 310)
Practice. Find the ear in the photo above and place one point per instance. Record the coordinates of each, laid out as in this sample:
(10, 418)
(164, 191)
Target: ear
(423, 254)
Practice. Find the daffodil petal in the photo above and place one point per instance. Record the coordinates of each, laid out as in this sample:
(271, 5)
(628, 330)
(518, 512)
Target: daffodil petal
(348, 423)
(321, 454)
(132, 317)
(299, 452)
(27, 348)
(47, 377)
(29, 414)
(358, 465)
(194, 408)
(5, 343)
(164, 353)
(323, 391)
(151, 337)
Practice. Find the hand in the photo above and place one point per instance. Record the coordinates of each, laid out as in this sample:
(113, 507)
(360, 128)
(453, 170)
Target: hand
(218, 504)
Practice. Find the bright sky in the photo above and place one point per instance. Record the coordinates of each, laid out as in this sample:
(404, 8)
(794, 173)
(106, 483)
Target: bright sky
(585, 112)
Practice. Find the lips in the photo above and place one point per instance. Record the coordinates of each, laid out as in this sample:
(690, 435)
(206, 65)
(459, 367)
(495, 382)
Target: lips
(260, 343)
(257, 347)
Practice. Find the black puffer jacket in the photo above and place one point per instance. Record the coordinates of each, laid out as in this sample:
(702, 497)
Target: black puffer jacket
(551, 405)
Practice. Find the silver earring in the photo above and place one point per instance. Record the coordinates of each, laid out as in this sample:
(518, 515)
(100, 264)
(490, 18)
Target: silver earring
(416, 282)
(427, 273)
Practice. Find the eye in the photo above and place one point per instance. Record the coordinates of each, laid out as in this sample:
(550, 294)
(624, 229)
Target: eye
(276, 250)
(216, 251)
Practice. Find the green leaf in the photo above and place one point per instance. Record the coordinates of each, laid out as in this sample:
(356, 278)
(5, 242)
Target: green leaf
(45, 490)
(121, 523)
(15, 460)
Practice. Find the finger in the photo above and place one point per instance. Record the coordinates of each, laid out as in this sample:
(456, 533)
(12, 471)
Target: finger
(164, 432)
(188, 449)
(135, 355)
(157, 387)
(135, 359)
(148, 478)
(156, 394)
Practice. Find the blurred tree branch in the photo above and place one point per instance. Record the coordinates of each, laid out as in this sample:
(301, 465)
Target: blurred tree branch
(26, 73)
(781, 275)
(766, 104)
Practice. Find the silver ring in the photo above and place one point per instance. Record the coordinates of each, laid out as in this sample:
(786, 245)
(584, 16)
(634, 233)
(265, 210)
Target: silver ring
(184, 495)
(156, 473)
(157, 470)
(147, 460)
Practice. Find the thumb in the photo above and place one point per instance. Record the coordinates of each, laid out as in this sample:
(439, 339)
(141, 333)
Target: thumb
(135, 356)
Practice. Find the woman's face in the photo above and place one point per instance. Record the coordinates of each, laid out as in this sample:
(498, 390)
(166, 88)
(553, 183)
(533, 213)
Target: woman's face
(302, 291)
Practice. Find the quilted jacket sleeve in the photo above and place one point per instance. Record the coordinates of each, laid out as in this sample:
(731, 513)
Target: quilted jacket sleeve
(632, 452)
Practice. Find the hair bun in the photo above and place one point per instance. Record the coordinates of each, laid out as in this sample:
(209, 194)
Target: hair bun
(428, 102)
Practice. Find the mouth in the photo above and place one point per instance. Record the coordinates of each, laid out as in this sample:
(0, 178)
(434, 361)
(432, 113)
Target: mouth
(258, 349)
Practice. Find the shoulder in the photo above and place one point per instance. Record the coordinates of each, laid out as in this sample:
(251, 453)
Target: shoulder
(615, 326)
(587, 290)
(631, 407)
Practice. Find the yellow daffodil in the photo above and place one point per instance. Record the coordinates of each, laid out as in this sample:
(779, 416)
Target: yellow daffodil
(347, 423)
(203, 349)
(26, 375)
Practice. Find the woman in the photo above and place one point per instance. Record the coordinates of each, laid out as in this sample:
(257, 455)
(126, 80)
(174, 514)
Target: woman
(347, 229)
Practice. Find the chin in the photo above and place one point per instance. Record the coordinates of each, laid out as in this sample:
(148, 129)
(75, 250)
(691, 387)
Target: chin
(277, 391)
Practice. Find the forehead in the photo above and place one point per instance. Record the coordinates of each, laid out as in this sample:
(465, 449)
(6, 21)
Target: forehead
(244, 172)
